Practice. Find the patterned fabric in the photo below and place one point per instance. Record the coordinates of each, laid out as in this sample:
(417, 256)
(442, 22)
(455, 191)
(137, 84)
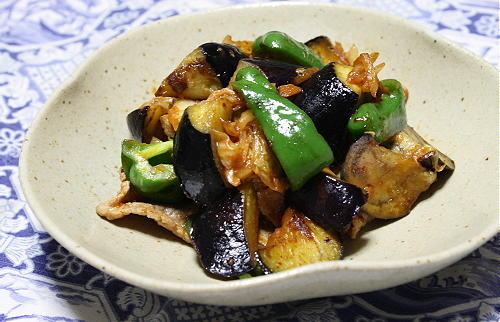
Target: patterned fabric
(43, 41)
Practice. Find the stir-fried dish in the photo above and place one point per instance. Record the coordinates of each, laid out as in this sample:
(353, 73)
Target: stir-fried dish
(265, 155)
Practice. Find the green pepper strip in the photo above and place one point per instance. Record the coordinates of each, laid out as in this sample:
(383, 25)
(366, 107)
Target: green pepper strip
(148, 168)
(254, 75)
(280, 46)
(384, 118)
(300, 149)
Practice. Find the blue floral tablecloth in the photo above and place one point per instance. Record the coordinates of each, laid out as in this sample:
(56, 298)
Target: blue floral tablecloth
(43, 41)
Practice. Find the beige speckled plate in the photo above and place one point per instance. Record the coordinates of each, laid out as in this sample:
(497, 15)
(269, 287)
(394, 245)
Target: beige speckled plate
(70, 159)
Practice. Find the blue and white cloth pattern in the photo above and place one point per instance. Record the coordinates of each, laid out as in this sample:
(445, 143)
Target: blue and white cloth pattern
(43, 41)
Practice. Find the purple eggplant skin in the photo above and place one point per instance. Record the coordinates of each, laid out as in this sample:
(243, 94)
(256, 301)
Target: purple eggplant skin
(223, 59)
(329, 103)
(206, 69)
(194, 164)
(218, 235)
(135, 122)
(277, 72)
(329, 202)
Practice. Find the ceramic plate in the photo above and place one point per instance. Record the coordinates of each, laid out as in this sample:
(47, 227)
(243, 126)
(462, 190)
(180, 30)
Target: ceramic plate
(71, 157)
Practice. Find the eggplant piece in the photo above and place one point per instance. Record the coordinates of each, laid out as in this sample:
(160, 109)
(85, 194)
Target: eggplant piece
(205, 70)
(409, 142)
(225, 234)
(195, 163)
(392, 180)
(277, 72)
(329, 202)
(299, 241)
(144, 123)
(223, 59)
(330, 101)
(328, 52)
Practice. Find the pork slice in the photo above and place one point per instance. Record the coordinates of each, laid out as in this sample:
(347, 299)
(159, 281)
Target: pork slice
(171, 217)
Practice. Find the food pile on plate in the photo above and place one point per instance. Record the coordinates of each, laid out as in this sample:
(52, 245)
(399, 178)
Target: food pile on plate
(265, 155)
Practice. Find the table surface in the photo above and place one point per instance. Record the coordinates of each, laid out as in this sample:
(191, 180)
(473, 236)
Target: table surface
(42, 42)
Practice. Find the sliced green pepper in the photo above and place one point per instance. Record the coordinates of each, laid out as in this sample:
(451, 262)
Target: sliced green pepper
(254, 75)
(300, 149)
(148, 168)
(384, 118)
(280, 46)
